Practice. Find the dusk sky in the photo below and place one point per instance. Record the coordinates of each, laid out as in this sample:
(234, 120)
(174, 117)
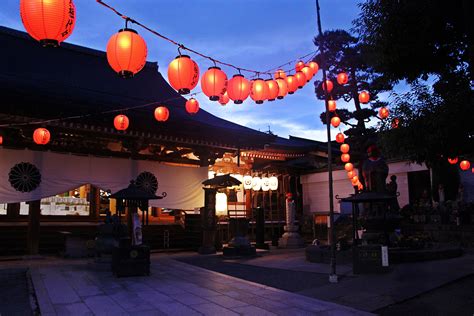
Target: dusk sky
(258, 35)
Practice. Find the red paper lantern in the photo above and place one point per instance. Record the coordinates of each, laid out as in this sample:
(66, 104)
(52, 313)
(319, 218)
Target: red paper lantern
(238, 89)
(329, 85)
(192, 106)
(453, 161)
(364, 97)
(308, 73)
(335, 121)
(331, 105)
(162, 113)
(280, 74)
(351, 174)
(183, 74)
(259, 90)
(342, 78)
(282, 88)
(299, 65)
(384, 113)
(345, 148)
(345, 157)
(395, 123)
(214, 83)
(224, 98)
(273, 89)
(348, 166)
(314, 67)
(340, 138)
(48, 21)
(355, 180)
(126, 52)
(464, 165)
(292, 84)
(360, 186)
(41, 136)
(121, 122)
(301, 79)
(1, 140)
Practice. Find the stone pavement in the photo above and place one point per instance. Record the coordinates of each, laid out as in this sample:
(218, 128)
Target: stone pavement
(82, 287)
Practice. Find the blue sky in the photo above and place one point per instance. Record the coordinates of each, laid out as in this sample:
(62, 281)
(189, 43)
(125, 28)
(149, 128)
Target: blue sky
(251, 34)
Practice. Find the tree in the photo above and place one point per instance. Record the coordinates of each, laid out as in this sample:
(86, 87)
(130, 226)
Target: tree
(342, 52)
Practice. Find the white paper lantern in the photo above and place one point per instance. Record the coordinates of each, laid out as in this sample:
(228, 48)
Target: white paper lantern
(273, 183)
(265, 184)
(221, 204)
(247, 182)
(256, 183)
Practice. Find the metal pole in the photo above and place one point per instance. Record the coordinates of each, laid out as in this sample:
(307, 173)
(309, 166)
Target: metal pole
(332, 275)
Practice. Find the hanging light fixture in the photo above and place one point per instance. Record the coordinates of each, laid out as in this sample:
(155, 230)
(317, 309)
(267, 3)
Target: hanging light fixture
(238, 88)
(308, 73)
(335, 121)
(299, 65)
(345, 157)
(332, 105)
(453, 161)
(280, 73)
(301, 79)
(314, 67)
(162, 114)
(355, 180)
(273, 89)
(224, 98)
(340, 138)
(1, 140)
(292, 84)
(345, 148)
(464, 165)
(282, 88)
(256, 183)
(329, 84)
(273, 183)
(48, 21)
(126, 52)
(351, 174)
(247, 182)
(41, 136)
(348, 166)
(384, 112)
(183, 74)
(342, 78)
(214, 83)
(258, 90)
(364, 97)
(121, 122)
(265, 184)
(192, 106)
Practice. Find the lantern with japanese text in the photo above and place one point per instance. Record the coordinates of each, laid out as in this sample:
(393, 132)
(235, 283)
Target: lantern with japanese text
(258, 90)
(282, 88)
(464, 165)
(183, 74)
(192, 106)
(340, 138)
(224, 98)
(121, 122)
(344, 148)
(342, 78)
(273, 89)
(162, 113)
(126, 52)
(301, 79)
(41, 136)
(335, 121)
(292, 84)
(345, 157)
(364, 97)
(332, 105)
(214, 83)
(48, 21)
(238, 88)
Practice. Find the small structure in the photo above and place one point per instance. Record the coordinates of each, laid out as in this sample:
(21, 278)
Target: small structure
(131, 257)
(291, 238)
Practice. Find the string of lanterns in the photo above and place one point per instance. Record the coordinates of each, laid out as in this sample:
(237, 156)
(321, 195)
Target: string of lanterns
(463, 164)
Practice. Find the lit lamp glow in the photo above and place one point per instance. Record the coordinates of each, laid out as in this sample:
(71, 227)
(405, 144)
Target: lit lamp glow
(247, 182)
(221, 204)
(265, 184)
(273, 183)
(256, 183)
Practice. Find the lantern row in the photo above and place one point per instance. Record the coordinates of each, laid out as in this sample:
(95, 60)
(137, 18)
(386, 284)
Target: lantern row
(463, 164)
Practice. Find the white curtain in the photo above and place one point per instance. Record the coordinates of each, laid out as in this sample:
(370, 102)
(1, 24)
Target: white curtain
(64, 172)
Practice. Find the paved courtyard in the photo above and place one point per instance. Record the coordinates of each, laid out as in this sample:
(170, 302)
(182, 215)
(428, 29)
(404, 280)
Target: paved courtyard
(83, 287)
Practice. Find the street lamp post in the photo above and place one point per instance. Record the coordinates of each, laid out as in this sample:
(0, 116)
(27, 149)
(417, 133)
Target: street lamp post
(332, 237)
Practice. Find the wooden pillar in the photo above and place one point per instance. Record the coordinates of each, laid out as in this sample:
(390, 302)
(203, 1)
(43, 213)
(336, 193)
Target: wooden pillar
(94, 201)
(32, 241)
(13, 210)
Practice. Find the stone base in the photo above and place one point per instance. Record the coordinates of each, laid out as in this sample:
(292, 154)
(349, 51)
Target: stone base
(239, 251)
(291, 240)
